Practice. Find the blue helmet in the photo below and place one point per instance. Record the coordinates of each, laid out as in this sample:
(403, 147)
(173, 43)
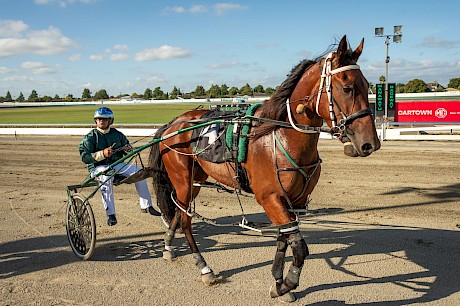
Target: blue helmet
(103, 112)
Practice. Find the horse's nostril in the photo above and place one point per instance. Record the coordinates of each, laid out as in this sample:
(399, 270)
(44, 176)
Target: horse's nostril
(367, 147)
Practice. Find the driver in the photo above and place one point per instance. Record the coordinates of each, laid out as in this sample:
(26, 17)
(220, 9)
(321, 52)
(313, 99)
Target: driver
(103, 146)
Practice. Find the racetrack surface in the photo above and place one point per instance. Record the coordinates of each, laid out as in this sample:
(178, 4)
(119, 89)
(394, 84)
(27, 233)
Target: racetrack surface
(382, 230)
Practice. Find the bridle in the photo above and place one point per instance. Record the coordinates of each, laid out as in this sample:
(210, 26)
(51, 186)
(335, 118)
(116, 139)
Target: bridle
(339, 128)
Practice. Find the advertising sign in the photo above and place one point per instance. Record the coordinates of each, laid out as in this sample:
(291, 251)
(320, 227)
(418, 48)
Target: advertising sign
(428, 111)
(391, 99)
(380, 100)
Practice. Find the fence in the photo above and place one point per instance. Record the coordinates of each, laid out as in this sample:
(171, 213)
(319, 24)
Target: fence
(445, 132)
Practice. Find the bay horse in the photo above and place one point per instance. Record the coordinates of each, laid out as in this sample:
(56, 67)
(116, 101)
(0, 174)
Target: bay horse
(283, 165)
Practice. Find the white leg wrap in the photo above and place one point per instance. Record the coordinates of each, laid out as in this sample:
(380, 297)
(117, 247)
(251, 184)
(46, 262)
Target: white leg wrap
(206, 270)
(169, 248)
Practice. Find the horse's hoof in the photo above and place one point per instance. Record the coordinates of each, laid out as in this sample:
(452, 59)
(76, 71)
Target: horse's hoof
(287, 298)
(169, 255)
(209, 279)
(273, 292)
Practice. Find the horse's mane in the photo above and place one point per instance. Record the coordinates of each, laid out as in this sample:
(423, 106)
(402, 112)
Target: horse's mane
(275, 107)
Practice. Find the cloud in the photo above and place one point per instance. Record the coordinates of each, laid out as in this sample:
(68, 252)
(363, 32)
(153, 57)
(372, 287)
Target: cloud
(37, 67)
(12, 28)
(121, 47)
(96, 57)
(17, 39)
(4, 70)
(304, 54)
(154, 79)
(118, 56)
(75, 58)
(222, 8)
(32, 65)
(223, 65)
(198, 9)
(219, 9)
(174, 9)
(17, 78)
(63, 3)
(162, 53)
(433, 42)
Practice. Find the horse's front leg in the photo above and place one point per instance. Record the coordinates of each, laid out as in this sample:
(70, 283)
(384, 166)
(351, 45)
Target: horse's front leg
(207, 275)
(278, 262)
(299, 252)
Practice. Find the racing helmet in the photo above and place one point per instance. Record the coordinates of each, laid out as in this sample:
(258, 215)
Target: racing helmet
(104, 112)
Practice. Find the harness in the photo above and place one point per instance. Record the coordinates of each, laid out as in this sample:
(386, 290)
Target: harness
(339, 128)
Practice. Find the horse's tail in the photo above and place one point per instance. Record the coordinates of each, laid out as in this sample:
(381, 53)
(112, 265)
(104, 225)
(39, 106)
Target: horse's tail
(162, 185)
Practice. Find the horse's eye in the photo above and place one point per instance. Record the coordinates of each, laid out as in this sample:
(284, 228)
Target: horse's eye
(347, 89)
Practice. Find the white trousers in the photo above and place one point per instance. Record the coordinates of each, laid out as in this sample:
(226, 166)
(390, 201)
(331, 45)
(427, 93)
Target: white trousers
(106, 189)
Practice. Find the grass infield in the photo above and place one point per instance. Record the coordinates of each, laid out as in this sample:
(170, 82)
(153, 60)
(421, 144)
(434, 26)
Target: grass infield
(124, 114)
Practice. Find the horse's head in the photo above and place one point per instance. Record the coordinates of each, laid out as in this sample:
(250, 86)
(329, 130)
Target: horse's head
(340, 96)
(342, 101)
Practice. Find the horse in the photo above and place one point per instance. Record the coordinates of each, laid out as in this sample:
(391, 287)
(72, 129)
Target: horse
(282, 165)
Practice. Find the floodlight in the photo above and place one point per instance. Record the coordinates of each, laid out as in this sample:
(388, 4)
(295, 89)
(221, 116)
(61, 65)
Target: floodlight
(397, 38)
(398, 29)
(379, 31)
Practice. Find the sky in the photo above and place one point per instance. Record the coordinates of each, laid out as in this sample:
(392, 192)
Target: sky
(64, 46)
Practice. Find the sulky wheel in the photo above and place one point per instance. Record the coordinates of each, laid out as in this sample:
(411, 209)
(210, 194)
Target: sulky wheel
(81, 227)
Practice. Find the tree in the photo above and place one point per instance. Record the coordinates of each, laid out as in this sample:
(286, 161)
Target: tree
(101, 94)
(86, 94)
(439, 89)
(259, 89)
(233, 91)
(157, 93)
(454, 83)
(416, 85)
(246, 90)
(69, 98)
(224, 90)
(20, 98)
(213, 92)
(56, 97)
(400, 88)
(175, 93)
(269, 91)
(33, 97)
(147, 94)
(199, 91)
(8, 97)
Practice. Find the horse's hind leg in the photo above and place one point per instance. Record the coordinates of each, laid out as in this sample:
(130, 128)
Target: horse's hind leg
(299, 252)
(207, 275)
(168, 252)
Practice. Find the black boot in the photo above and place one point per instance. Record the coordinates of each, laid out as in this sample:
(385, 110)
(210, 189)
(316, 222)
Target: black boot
(111, 220)
(153, 211)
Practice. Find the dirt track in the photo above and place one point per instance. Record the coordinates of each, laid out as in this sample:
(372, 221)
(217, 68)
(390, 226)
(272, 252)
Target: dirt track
(384, 230)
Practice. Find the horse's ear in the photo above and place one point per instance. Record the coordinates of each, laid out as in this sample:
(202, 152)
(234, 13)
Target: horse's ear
(355, 55)
(342, 49)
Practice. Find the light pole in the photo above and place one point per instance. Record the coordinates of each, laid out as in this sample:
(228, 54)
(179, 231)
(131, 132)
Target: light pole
(397, 38)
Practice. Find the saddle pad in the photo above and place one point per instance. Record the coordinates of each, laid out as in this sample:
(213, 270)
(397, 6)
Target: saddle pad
(208, 142)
